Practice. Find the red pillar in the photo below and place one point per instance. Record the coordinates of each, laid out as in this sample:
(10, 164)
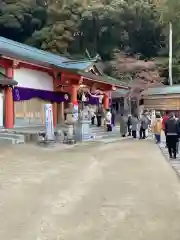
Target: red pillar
(9, 103)
(74, 94)
(106, 101)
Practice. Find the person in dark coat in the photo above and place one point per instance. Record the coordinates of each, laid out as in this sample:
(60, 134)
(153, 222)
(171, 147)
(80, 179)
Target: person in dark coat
(144, 123)
(129, 124)
(99, 116)
(113, 116)
(165, 118)
(172, 132)
(123, 125)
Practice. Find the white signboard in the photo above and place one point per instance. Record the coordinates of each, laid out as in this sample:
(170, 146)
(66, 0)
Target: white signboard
(153, 116)
(49, 122)
(76, 112)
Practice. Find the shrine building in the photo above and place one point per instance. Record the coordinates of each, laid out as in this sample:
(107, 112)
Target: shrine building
(30, 77)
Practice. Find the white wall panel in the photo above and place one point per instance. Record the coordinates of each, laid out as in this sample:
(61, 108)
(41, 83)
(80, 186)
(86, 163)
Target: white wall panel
(28, 78)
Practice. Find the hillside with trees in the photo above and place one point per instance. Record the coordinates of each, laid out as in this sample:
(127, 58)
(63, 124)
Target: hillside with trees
(115, 30)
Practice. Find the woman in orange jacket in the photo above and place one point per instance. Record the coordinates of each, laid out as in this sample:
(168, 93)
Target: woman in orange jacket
(157, 127)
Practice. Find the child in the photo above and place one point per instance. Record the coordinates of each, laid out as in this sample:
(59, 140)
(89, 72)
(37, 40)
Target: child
(157, 127)
(108, 119)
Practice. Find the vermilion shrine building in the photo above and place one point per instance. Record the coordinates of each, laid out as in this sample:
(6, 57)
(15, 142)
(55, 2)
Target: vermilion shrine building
(30, 77)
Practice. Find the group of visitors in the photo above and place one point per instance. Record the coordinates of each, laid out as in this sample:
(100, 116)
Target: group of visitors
(132, 125)
(96, 114)
(100, 115)
(170, 124)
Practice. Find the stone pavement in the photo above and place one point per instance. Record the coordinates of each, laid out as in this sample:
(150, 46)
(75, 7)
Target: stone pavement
(117, 191)
(175, 163)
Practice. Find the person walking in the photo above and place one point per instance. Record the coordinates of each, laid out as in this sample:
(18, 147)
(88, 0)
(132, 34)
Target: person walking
(108, 119)
(113, 112)
(123, 125)
(172, 132)
(134, 128)
(157, 127)
(177, 146)
(165, 118)
(144, 124)
(99, 116)
(92, 115)
(129, 124)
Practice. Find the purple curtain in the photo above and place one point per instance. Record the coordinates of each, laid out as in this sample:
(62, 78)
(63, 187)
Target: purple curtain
(95, 100)
(21, 94)
(92, 100)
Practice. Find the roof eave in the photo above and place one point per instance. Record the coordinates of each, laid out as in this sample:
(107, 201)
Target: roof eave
(6, 81)
(23, 52)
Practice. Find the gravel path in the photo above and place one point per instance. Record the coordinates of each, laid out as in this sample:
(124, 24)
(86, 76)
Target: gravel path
(118, 191)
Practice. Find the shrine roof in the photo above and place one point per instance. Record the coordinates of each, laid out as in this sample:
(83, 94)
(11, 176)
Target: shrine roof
(119, 93)
(115, 81)
(164, 90)
(23, 52)
(104, 79)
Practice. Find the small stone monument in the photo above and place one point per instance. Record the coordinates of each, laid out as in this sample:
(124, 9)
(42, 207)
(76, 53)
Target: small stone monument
(83, 131)
(59, 136)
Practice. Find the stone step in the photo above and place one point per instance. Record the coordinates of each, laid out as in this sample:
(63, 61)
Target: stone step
(103, 129)
(9, 140)
(11, 135)
(104, 133)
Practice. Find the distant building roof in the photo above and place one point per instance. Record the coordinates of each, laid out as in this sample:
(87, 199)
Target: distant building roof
(33, 55)
(164, 90)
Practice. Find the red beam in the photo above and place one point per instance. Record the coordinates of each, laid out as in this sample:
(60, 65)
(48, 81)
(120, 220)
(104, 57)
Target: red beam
(34, 67)
(5, 63)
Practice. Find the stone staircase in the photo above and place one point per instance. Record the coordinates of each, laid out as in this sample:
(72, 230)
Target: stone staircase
(24, 135)
(100, 132)
(11, 138)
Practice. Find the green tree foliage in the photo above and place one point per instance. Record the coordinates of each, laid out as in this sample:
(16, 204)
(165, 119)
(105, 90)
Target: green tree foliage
(133, 26)
(77, 27)
(170, 12)
(19, 19)
(143, 28)
(99, 32)
(61, 26)
(72, 26)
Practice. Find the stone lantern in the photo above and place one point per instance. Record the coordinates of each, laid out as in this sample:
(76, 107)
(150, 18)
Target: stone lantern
(71, 119)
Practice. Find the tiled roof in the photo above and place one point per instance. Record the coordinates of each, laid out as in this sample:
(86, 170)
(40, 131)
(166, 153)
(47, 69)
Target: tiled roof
(175, 89)
(119, 93)
(103, 78)
(116, 81)
(33, 55)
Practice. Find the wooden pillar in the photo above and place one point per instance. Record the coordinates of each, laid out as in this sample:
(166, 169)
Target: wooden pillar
(9, 103)
(55, 114)
(74, 94)
(61, 112)
(106, 101)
